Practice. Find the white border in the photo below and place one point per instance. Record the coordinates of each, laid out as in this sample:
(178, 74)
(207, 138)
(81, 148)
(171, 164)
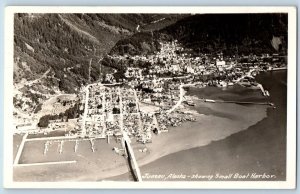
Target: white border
(291, 98)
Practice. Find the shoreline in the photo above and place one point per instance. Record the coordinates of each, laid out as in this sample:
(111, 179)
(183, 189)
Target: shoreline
(206, 129)
(216, 128)
(261, 149)
(214, 122)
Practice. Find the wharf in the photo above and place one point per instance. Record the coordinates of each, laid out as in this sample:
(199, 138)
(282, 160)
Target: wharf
(238, 102)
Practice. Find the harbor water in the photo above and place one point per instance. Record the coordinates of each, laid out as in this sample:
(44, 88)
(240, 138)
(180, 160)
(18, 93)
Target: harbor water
(260, 149)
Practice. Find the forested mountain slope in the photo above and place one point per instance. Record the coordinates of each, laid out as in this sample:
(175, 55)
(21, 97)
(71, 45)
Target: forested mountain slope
(56, 53)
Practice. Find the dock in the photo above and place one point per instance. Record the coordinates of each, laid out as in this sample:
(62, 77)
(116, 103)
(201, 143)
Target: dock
(277, 68)
(131, 158)
(238, 102)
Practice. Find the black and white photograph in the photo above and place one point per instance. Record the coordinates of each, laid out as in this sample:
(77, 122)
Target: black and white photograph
(133, 97)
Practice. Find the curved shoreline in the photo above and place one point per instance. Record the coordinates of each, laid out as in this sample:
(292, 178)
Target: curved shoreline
(216, 129)
(259, 149)
(222, 121)
(215, 123)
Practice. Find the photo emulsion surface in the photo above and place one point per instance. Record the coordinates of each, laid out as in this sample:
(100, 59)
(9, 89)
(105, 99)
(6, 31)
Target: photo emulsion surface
(149, 97)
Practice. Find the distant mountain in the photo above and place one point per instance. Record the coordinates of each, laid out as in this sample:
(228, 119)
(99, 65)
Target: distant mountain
(230, 33)
(146, 40)
(137, 44)
(210, 33)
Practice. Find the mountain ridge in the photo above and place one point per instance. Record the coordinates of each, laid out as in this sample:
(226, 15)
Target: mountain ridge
(227, 33)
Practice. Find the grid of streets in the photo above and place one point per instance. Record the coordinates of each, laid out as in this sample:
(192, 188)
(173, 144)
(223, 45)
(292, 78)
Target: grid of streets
(111, 110)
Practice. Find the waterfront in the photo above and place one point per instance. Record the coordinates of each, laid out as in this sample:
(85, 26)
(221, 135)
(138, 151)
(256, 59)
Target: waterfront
(102, 100)
(226, 138)
(259, 149)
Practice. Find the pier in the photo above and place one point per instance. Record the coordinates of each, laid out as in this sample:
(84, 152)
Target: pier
(238, 102)
(131, 158)
(126, 141)
(277, 68)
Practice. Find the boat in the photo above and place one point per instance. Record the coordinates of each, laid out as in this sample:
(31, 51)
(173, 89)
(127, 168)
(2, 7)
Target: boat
(209, 100)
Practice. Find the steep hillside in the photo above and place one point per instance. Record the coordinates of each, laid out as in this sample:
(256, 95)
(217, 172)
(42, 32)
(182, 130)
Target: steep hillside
(212, 33)
(146, 40)
(139, 43)
(231, 33)
(57, 53)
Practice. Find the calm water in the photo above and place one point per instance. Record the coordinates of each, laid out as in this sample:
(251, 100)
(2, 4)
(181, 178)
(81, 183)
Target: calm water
(260, 149)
